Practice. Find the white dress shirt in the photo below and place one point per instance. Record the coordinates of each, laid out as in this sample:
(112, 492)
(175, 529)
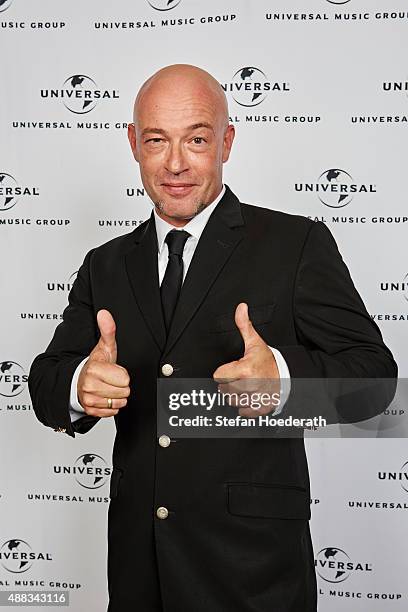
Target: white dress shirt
(195, 228)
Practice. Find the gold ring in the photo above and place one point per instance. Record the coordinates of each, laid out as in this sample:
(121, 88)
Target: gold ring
(109, 400)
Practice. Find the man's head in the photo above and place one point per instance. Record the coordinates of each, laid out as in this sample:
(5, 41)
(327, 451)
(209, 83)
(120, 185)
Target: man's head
(181, 137)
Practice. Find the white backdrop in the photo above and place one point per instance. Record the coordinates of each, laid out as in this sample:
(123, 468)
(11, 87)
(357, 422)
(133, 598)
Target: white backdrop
(332, 109)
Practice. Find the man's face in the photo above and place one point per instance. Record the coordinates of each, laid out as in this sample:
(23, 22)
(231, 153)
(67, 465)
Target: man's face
(181, 140)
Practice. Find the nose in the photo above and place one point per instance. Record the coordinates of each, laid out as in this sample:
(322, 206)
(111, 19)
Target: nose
(175, 161)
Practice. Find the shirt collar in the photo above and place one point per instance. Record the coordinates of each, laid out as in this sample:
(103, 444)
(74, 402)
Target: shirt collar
(194, 227)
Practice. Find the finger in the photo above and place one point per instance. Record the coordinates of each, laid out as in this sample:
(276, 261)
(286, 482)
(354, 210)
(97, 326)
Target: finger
(96, 386)
(244, 324)
(255, 412)
(104, 390)
(230, 398)
(247, 403)
(241, 385)
(107, 329)
(110, 374)
(94, 401)
(101, 412)
(229, 372)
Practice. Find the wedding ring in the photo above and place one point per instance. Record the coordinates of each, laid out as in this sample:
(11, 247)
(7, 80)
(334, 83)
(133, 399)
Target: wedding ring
(109, 400)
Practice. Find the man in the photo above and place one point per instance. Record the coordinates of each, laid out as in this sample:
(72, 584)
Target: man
(202, 524)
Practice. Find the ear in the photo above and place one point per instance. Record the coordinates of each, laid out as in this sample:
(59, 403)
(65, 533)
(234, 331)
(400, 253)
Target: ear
(132, 140)
(227, 144)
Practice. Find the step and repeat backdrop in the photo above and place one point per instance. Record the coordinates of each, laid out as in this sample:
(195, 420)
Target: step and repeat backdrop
(317, 91)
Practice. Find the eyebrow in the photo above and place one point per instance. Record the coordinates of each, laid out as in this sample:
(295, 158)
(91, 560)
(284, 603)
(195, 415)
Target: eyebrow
(194, 126)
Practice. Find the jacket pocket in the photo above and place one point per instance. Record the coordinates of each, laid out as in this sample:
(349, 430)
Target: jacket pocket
(257, 314)
(277, 501)
(114, 482)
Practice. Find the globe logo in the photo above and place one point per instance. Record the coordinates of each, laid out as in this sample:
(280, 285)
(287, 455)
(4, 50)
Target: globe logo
(72, 277)
(8, 191)
(404, 476)
(80, 96)
(15, 556)
(163, 5)
(63, 286)
(91, 471)
(405, 284)
(250, 86)
(334, 188)
(332, 564)
(12, 378)
(4, 4)
(338, 1)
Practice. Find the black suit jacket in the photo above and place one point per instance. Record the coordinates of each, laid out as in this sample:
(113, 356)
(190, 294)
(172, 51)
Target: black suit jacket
(237, 534)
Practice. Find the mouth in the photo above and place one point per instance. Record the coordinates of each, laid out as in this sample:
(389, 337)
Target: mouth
(177, 189)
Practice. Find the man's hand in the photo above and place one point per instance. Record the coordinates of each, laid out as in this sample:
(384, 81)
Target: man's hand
(100, 377)
(256, 372)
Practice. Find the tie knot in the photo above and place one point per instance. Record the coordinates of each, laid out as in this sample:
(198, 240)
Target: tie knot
(175, 240)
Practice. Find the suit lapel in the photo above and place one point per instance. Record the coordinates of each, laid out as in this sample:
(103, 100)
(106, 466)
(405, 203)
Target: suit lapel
(141, 266)
(220, 237)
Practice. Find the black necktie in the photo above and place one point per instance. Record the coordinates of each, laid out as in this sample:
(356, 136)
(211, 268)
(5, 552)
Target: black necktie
(173, 277)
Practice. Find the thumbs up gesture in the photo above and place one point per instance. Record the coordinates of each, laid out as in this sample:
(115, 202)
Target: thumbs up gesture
(255, 373)
(103, 386)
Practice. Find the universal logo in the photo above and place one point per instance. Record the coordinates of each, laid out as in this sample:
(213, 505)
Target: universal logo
(4, 4)
(334, 565)
(338, 1)
(396, 287)
(401, 476)
(80, 94)
(90, 471)
(17, 556)
(163, 5)
(335, 188)
(250, 86)
(396, 86)
(10, 191)
(63, 286)
(12, 378)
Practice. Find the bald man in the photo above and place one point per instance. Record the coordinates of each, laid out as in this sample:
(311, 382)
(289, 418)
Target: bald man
(211, 288)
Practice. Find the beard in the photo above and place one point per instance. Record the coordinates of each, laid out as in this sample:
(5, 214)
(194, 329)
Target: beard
(199, 206)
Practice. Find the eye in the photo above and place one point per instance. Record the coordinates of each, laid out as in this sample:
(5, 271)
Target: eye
(154, 140)
(198, 140)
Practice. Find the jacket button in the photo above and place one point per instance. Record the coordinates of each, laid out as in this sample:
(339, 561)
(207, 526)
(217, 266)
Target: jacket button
(167, 369)
(164, 441)
(162, 513)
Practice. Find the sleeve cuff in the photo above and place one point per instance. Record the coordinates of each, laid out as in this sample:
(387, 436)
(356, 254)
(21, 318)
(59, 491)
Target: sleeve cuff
(284, 376)
(76, 411)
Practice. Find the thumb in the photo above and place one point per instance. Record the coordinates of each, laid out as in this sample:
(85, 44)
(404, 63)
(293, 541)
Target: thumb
(107, 329)
(243, 322)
